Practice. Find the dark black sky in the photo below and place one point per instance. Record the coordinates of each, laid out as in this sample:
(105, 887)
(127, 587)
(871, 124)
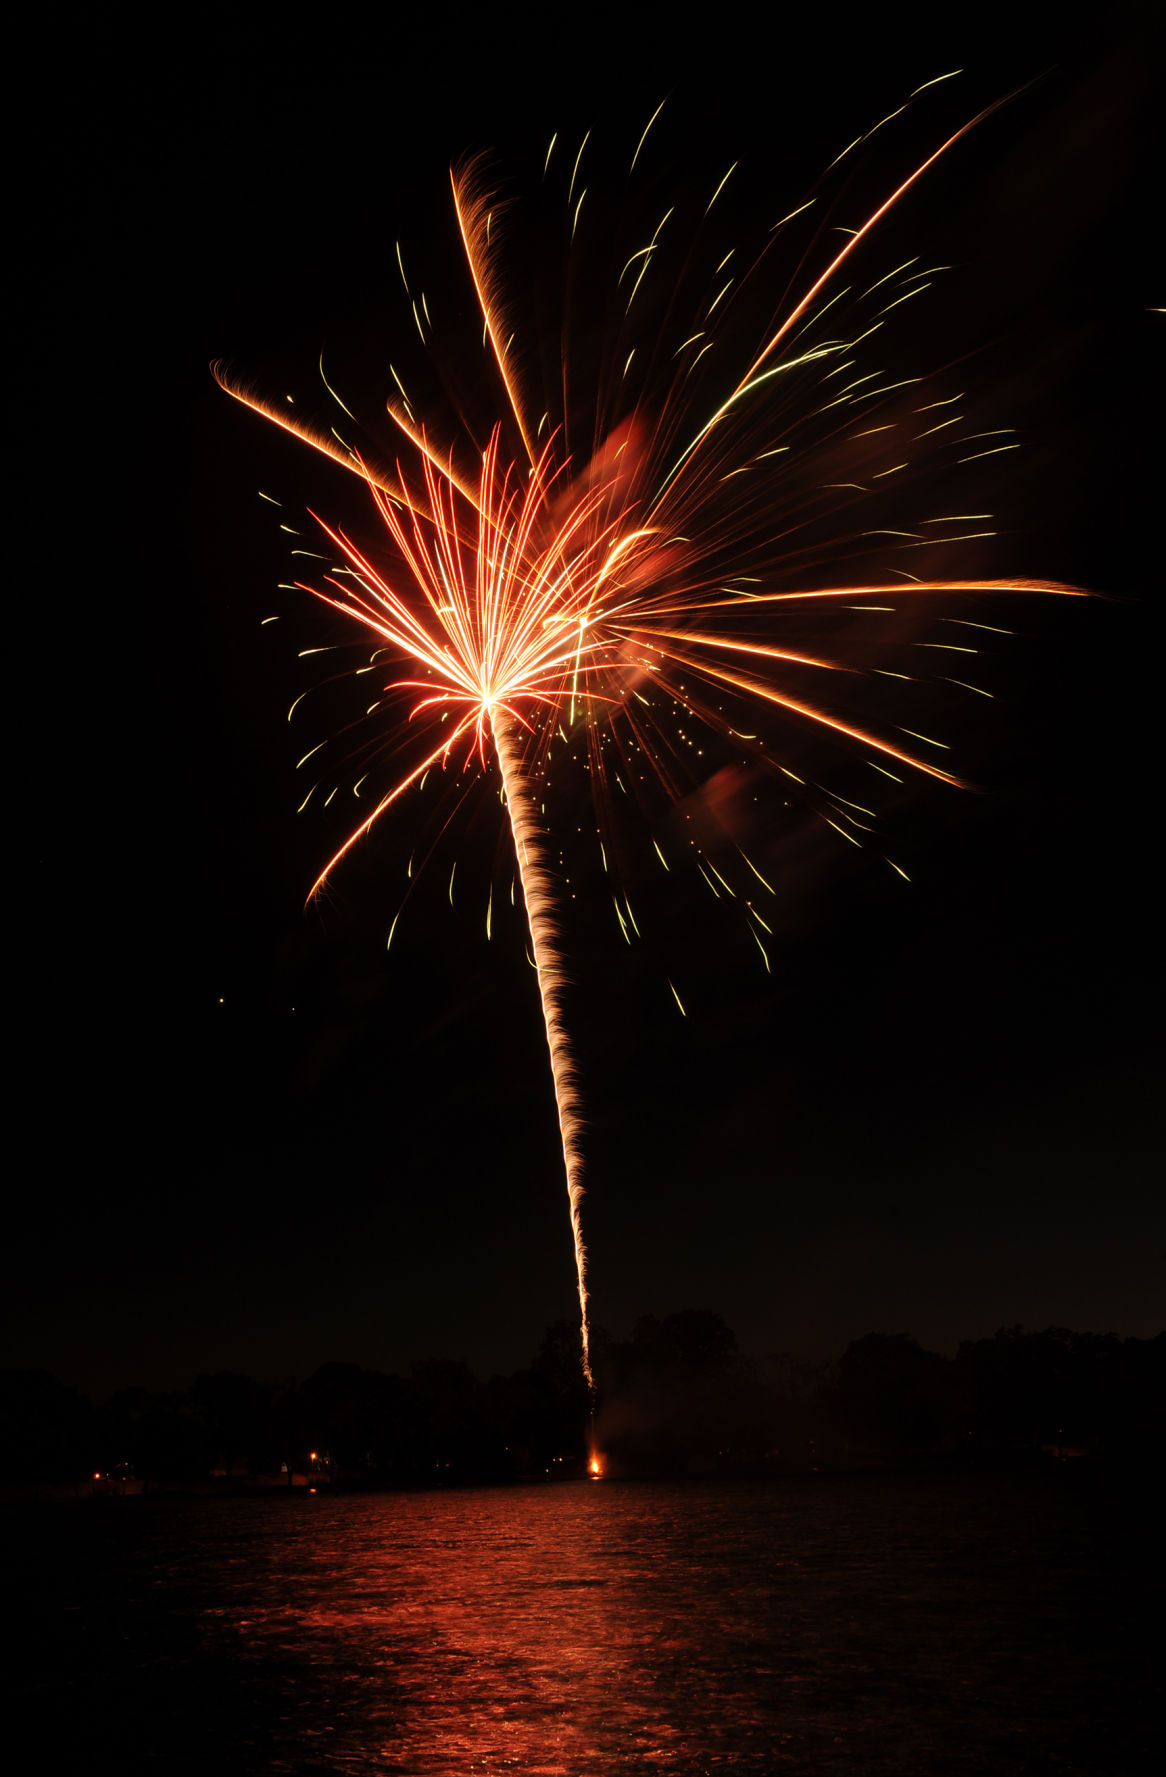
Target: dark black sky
(936, 1116)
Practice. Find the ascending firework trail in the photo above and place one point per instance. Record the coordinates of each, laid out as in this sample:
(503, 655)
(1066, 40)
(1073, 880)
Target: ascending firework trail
(626, 597)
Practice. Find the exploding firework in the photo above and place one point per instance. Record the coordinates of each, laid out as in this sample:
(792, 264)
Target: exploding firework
(614, 597)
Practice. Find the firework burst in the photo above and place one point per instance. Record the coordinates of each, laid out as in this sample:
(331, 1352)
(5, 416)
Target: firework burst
(545, 593)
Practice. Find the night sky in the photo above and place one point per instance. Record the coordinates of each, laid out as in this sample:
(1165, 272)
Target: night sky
(245, 1136)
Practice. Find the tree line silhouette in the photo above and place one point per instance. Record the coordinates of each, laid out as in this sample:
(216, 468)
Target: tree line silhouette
(677, 1398)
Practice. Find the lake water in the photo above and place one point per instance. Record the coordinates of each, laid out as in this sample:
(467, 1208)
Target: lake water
(866, 1624)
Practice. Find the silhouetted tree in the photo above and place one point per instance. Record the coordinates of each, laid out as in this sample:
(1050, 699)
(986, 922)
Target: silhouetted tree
(443, 1416)
(45, 1428)
(234, 1413)
(355, 1417)
(890, 1395)
(1063, 1390)
(677, 1397)
(161, 1437)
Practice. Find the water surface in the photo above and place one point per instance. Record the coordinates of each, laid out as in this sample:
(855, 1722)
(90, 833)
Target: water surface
(873, 1624)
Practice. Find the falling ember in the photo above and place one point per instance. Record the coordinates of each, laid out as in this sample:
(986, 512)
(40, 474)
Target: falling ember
(638, 594)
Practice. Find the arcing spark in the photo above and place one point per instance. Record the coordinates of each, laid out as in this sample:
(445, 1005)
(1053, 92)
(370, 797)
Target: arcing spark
(543, 590)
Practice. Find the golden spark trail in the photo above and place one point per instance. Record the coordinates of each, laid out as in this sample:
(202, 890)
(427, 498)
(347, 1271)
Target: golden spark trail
(540, 893)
